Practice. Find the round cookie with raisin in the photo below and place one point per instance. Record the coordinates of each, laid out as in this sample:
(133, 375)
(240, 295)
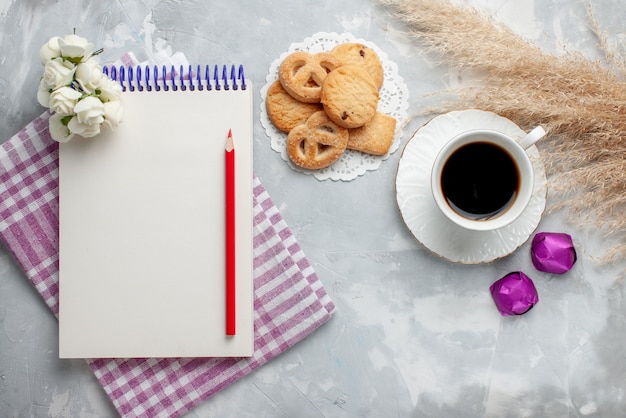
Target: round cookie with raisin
(350, 96)
(358, 54)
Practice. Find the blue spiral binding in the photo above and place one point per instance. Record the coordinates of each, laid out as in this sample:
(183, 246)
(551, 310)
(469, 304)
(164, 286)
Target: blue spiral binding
(156, 76)
(145, 78)
(122, 77)
(130, 79)
(140, 86)
(164, 78)
(216, 78)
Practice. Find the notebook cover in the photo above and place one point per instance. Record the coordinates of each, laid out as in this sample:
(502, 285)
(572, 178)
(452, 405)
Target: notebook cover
(141, 230)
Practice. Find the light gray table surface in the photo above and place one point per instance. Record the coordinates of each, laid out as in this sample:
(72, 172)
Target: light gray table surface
(414, 335)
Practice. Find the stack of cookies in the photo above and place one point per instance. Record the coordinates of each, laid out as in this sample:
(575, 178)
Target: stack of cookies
(327, 102)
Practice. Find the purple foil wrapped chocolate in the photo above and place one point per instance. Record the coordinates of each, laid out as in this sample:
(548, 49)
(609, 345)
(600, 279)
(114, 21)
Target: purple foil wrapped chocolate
(553, 252)
(514, 294)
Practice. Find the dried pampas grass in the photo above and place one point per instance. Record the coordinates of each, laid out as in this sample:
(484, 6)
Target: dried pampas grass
(581, 103)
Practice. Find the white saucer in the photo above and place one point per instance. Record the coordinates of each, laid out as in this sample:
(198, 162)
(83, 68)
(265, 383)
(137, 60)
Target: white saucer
(423, 217)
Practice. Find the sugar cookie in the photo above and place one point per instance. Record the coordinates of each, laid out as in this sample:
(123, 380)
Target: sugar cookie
(284, 111)
(375, 136)
(301, 74)
(359, 54)
(350, 96)
(318, 143)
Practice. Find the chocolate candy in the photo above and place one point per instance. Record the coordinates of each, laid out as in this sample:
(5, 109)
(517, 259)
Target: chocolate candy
(553, 252)
(514, 294)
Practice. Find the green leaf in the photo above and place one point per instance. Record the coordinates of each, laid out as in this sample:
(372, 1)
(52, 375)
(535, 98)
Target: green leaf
(74, 60)
(65, 120)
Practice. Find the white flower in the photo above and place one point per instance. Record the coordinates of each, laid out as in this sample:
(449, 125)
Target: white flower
(74, 87)
(73, 46)
(89, 111)
(58, 130)
(50, 50)
(58, 73)
(113, 112)
(63, 100)
(89, 75)
(43, 93)
(83, 129)
(110, 90)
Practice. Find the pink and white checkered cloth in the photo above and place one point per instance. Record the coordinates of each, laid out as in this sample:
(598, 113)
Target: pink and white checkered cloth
(290, 301)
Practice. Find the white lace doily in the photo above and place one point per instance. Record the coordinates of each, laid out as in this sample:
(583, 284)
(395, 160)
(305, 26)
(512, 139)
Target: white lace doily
(394, 101)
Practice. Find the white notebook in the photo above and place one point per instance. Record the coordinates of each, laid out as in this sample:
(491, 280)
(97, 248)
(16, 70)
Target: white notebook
(142, 231)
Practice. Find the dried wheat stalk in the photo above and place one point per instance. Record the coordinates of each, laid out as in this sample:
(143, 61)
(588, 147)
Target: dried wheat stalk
(581, 103)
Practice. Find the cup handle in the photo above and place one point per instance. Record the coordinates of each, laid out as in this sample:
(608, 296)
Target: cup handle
(532, 137)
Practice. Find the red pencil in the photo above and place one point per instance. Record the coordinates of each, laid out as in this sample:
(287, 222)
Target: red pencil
(230, 234)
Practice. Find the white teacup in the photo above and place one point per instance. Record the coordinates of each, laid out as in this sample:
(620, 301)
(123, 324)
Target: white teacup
(483, 179)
